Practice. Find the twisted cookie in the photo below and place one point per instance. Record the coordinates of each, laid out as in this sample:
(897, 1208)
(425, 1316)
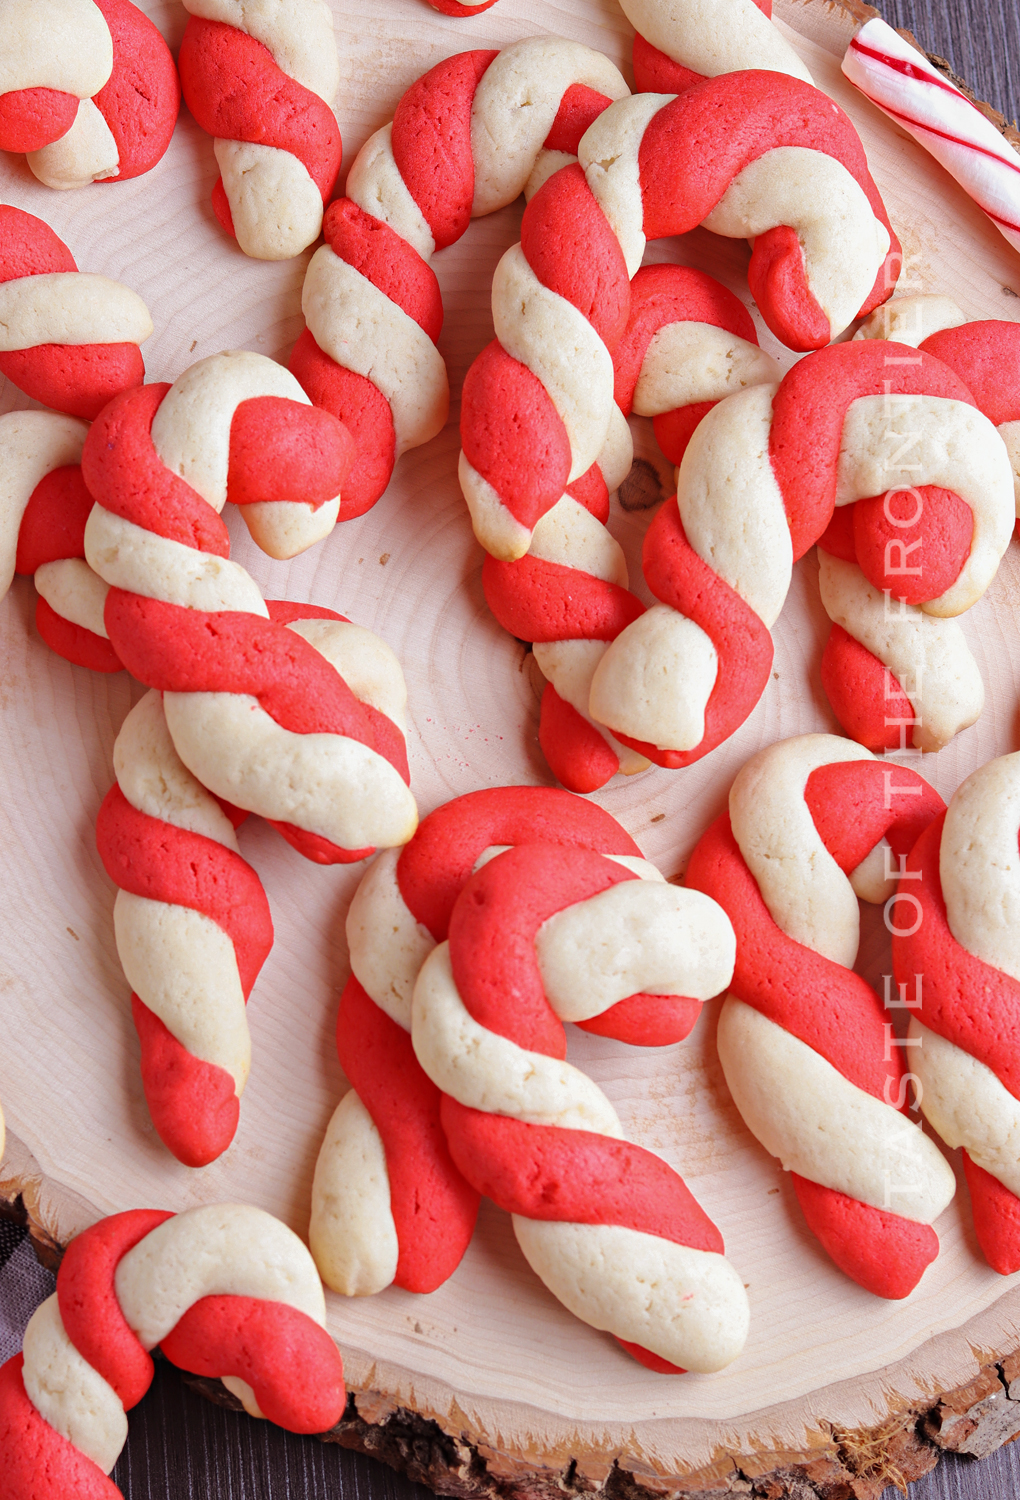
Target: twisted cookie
(956, 958)
(224, 1291)
(193, 930)
(809, 1057)
(299, 724)
(388, 1204)
(44, 506)
(688, 343)
(88, 90)
(925, 507)
(261, 79)
(540, 935)
(67, 338)
(464, 141)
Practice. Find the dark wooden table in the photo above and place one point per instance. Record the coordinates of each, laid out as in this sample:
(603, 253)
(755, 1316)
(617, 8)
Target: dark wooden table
(180, 1446)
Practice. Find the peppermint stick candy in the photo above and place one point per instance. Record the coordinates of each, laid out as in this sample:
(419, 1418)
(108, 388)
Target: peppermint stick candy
(905, 86)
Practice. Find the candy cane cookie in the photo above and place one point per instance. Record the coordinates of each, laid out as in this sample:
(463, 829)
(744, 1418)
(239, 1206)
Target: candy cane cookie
(901, 81)
(261, 79)
(88, 90)
(688, 343)
(464, 141)
(388, 1205)
(283, 710)
(925, 505)
(807, 1050)
(540, 935)
(193, 930)
(44, 506)
(224, 1290)
(678, 44)
(956, 959)
(68, 338)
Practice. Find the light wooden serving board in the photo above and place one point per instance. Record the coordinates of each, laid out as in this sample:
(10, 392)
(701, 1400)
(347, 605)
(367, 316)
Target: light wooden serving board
(491, 1357)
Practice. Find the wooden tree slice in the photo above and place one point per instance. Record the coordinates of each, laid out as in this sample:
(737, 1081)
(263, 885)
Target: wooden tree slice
(488, 1385)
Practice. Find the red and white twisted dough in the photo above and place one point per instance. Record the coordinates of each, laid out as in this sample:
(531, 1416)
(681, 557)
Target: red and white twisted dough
(44, 506)
(751, 155)
(193, 930)
(807, 1050)
(300, 722)
(926, 503)
(688, 343)
(464, 141)
(388, 1205)
(224, 1290)
(766, 473)
(538, 936)
(68, 338)
(956, 959)
(679, 42)
(87, 88)
(261, 79)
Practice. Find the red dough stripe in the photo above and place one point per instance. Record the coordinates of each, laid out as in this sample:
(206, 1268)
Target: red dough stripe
(979, 353)
(434, 1209)
(29, 247)
(575, 1176)
(78, 379)
(864, 695)
(882, 1252)
(270, 109)
(434, 867)
(53, 525)
(567, 242)
(378, 253)
(856, 803)
(996, 1218)
(578, 755)
(363, 410)
(161, 862)
(76, 644)
(291, 1363)
(33, 118)
(39, 1464)
(826, 1006)
(88, 1302)
(971, 1004)
(432, 143)
(513, 435)
(538, 600)
(579, 108)
(193, 1104)
(312, 453)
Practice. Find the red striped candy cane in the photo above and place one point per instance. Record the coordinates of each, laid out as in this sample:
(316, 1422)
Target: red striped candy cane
(223, 1290)
(808, 1052)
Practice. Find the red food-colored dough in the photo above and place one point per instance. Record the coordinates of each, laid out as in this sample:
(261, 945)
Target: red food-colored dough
(141, 100)
(33, 118)
(578, 755)
(866, 698)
